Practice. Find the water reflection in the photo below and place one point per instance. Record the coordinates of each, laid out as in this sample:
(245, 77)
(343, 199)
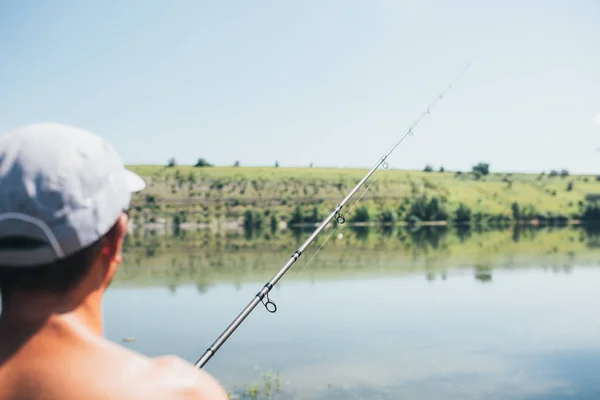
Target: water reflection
(361, 232)
(355, 252)
(427, 238)
(592, 236)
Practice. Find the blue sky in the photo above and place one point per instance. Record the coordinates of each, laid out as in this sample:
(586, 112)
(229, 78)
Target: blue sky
(329, 82)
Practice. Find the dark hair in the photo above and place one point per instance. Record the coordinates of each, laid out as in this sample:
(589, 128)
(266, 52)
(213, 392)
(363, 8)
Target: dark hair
(58, 277)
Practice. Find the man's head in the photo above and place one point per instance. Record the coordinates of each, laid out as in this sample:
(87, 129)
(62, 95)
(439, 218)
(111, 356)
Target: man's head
(63, 193)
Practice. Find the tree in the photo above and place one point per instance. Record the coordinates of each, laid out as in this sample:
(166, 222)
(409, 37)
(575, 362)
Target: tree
(253, 221)
(516, 211)
(316, 216)
(202, 163)
(236, 164)
(171, 162)
(591, 212)
(481, 168)
(178, 219)
(248, 220)
(276, 164)
(428, 168)
(297, 217)
(274, 223)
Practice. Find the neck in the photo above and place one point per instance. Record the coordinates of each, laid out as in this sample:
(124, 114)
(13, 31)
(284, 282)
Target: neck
(25, 310)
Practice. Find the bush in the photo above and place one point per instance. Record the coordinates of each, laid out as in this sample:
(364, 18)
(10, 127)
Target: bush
(478, 218)
(528, 212)
(499, 221)
(403, 207)
(360, 215)
(462, 215)
(150, 199)
(428, 209)
(387, 217)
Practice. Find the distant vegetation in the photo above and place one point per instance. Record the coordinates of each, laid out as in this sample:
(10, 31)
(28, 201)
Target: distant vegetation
(254, 216)
(267, 198)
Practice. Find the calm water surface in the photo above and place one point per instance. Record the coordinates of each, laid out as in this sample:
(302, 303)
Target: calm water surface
(527, 334)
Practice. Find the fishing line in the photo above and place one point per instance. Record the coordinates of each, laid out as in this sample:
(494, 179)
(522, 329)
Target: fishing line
(263, 295)
(385, 167)
(337, 226)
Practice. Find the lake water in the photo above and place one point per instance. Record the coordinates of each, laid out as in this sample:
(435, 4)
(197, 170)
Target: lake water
(531, 332)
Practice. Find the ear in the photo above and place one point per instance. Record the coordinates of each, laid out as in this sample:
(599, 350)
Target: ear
(111, 250)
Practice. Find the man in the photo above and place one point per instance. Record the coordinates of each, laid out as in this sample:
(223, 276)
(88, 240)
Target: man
(63, 196)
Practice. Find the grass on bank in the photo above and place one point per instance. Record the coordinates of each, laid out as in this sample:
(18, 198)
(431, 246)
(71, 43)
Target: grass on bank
(305, 195)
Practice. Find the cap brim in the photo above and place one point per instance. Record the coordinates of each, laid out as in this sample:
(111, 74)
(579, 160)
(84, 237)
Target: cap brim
(135, 182)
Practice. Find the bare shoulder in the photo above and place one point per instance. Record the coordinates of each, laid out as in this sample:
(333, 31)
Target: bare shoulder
(166, 378)
(190, 382)
(103, 371)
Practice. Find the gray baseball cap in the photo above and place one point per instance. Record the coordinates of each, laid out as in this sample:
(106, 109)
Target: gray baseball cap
(61, 186)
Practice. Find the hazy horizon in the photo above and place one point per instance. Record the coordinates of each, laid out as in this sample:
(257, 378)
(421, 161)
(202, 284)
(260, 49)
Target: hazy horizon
(366, 168)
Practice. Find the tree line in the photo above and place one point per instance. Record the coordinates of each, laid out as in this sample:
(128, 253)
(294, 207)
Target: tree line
(424, 209)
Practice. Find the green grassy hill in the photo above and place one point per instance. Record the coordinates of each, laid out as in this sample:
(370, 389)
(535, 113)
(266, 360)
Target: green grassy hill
(201, 194)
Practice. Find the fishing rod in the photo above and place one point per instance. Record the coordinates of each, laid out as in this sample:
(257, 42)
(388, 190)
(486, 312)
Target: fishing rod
(263, 295)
